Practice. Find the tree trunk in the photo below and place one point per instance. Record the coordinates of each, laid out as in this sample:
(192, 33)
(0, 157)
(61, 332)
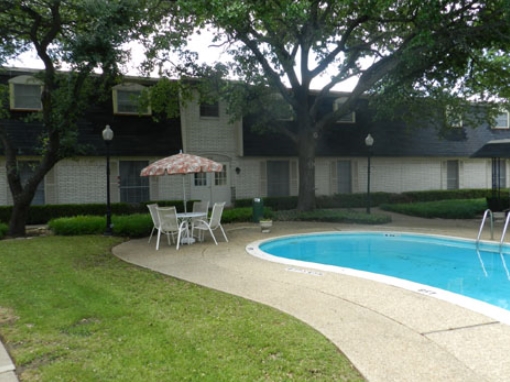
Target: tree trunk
(23, 196)
(18, 220)
(306, 149)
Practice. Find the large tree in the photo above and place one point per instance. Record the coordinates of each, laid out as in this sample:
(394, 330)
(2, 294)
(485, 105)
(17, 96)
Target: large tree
(397, 49)
(80, 36)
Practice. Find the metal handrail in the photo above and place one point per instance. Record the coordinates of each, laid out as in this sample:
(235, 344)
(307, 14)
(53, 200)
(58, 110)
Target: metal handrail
(504, 231)
(485, 214)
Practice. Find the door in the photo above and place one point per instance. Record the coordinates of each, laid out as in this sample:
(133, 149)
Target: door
(214, 187)
(344, 177)
(133, 187)
(278, 178)
(452, 175)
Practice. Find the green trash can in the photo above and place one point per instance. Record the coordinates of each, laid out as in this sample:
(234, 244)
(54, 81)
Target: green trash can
(258, 209)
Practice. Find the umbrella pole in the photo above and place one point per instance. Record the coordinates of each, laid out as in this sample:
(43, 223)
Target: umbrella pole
(184, 192)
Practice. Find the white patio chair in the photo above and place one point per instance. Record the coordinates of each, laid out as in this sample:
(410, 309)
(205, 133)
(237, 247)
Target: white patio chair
(169, 225)
(155, 218)
(210, 225)
(201, 206)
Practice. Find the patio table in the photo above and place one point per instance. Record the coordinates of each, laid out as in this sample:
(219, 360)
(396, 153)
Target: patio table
(188, 217)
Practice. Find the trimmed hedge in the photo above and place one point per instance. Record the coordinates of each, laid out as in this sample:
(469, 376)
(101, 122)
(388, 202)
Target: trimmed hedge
(359, 200)
(135, 225)
(43, 214)
(442, 209)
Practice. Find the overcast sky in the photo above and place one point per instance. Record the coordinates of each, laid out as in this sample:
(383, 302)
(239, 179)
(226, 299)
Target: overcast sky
(208, 53)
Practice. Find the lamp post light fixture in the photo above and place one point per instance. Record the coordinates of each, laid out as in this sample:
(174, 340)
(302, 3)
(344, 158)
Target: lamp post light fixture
(107, 137)
(369, 141)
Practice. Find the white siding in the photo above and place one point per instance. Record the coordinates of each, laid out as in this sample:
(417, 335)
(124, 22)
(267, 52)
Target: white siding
(81, 181)
(4, 186)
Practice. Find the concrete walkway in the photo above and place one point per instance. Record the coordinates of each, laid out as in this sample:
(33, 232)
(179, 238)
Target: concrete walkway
(388, 333)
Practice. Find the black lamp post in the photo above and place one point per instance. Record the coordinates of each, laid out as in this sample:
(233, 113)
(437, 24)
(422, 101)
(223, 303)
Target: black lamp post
(369, 141)
(107, 137)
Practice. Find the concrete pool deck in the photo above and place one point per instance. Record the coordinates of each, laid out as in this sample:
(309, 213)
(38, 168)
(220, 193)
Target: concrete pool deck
(388, 333)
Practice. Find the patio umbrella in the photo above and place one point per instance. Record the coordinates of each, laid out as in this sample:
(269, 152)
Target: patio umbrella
(181, 164)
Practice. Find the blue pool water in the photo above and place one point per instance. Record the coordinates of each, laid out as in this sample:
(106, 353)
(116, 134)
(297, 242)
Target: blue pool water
(454, 265)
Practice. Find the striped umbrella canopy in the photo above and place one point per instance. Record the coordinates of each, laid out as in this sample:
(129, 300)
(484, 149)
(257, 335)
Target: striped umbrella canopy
(181, 164)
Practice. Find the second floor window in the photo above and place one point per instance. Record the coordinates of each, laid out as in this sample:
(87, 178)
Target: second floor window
(501, 121)
(210, 109)
(453, 118)
(126, 99)
(347, 118)
(25, 93)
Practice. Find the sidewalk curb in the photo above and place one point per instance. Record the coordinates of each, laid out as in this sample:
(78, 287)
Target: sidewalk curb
(7, 368)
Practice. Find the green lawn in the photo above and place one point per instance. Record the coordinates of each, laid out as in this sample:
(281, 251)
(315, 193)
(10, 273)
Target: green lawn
(70, 311)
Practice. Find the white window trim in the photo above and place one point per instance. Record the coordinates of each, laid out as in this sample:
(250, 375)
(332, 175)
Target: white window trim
(127, 87)
(213, 103)
(277, 97)
(453, 118)
(507, 125)
(348, 118)
(22, 80)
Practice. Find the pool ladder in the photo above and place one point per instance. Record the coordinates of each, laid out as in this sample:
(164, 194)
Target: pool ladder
(488, 213)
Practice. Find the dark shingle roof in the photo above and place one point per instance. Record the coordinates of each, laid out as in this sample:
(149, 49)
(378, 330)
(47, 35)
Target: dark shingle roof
(133, 135)
(391, 139)
(494, 149)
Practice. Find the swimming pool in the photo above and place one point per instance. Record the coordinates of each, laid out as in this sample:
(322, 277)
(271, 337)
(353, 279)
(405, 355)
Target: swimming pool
(452, 269)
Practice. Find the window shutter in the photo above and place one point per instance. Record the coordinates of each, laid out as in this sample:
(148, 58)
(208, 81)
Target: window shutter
(263, 179)
(114, 181)
(49, 187)
(294, 177)
(154, 187)
(333, 185)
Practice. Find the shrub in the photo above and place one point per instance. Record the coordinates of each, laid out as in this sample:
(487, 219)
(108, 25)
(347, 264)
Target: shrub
(443, 209)
(433, 195)
(137, 225)
(78, 225)
(359, 200)
(43, 214)
(3, 230)
(244, 214)
(275, 203)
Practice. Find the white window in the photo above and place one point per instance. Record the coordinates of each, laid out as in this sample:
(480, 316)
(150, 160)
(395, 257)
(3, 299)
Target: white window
(25, 93)
(281, 109)
(220, 178)
(126, 99)
(501, 121)
(210, 109)
(347, 118)
(453, 118)
(200, 179)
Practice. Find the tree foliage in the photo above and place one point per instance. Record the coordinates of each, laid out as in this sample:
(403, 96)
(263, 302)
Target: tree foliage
(72, 39)
(397, 51)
